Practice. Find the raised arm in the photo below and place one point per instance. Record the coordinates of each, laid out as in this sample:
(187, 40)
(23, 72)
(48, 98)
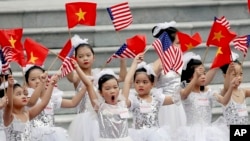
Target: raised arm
(210, 75)
(123, 70)
(73, 78)
(3, 102)
(7, 115)
(129, 76)
(70, 103)
(87, 82)
(37, 109)
(157, 67)
(36, 94)
(188, 89)
(227, 78)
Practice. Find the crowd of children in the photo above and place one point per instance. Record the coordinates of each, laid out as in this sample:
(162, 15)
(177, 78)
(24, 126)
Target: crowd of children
(164, 107)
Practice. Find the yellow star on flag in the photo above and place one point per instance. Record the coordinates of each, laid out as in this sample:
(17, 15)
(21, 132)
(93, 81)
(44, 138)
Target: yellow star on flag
(189, 46)
(12, 42)
(81, 14)
(32, 58)
(219, 51)
(218, 36)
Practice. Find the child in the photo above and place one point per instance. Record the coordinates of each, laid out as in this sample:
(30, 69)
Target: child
(43, 125)
(235, 112)
(197, 100)
(145, 104)
(16, 118)
(85, 58)
(3, 103)
(112, 113)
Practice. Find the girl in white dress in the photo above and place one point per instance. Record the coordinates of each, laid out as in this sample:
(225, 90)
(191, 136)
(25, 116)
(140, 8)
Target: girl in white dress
(112, 112)
(145, 103)
(85, 57)
(235, 112)
(197, 101)
(3, 103)
(16, 118)
(43, 126)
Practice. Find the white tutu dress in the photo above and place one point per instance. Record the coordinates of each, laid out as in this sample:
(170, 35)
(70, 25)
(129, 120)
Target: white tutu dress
(198, 108)
(43, 125)
(145, 118)
(170, 115)
(2, 134)
(236, 113)
(84, 126)
(113, 122)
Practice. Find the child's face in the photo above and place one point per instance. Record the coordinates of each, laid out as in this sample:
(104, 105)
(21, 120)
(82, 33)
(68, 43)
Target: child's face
(142, 84)
(202, 77)
(84, 57)
(110, 91)
(19, 97)
(34, 78)
(176, 42)
(237, 73)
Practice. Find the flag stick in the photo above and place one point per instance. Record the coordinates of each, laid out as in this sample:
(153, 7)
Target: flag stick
(243, 59)
(205, 55)
(147, 49)
(54, 61)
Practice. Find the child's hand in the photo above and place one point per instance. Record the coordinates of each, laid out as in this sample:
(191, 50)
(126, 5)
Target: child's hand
(230, 68)
(54, 79)
(10, 81)
(73, 61)
(3, 101)
(235, 82)
(139, 58)
(43, 77)
(198, 72)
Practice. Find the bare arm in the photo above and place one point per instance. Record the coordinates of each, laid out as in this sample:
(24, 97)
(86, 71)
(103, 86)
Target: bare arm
(37, 109)
(7, 115)
(123, 70)
(227, 78)
(36, 94)
(70, 103)
(3, 102)
(128, 78)
(157, 67)
(88, 84)
(210, 75)
(73, 78)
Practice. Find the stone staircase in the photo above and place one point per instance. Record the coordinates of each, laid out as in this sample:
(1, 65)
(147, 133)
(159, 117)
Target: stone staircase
(45, 22)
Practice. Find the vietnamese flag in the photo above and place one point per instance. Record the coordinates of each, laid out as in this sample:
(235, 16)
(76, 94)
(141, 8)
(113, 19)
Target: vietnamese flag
(81, 13)
(137, 43)
(187, 42)
(222, 57)
(220, 35)
(248, 5)
(36, 53)
(67, 50)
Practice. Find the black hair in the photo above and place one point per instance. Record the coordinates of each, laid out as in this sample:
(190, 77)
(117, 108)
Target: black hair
(27, 73)
(2, 90)
(171, 31)
(188, 73)
(16, 85)
(225, 67)
(84, 45)
(151, 77)
(104, 79)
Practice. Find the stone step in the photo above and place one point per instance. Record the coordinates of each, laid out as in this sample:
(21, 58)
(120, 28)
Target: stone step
(39, 14)
(104, 35)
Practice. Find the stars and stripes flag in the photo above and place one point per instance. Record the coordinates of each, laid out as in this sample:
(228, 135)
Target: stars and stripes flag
(122, 52)
(242, 44)
(171, 57)
(66, 67)
(120, 15)
(6, 57)
(223, 21)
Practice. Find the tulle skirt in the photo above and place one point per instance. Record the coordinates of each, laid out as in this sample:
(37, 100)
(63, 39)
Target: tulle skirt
(172, 116)
(49, 134)
(84, 127)
(218, 131)
(150, 134)
(2, 135)
(116, 139)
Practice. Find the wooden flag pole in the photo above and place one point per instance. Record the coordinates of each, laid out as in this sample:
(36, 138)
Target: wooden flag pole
(205, 55)
(54, 61)
(243, 59)
(147, 49)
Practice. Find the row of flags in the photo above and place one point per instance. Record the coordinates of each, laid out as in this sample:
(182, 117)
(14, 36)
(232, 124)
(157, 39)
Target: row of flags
(120, 14)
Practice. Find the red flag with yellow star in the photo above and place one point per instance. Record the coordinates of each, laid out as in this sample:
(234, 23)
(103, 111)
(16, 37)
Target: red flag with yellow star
(187, 42)
(80, 13)
(220, 35)
(36, 53)
(11, 38)
(222, 57)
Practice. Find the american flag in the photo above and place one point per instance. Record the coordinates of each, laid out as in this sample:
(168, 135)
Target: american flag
(67, 67)
(6, 57)
(223, 21)
(170, 56)
(242, 44)
(120, 15)
(123, 52)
